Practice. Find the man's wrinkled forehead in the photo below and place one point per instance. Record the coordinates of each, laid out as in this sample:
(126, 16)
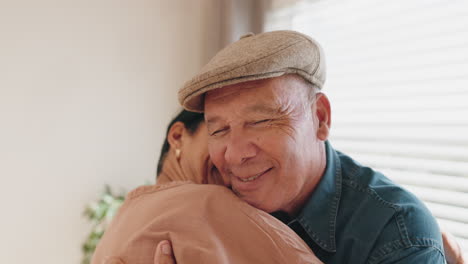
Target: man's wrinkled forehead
(275, 89)
(259, 92)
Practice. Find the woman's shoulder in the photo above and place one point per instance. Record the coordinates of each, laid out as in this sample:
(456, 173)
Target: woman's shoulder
(178, 187)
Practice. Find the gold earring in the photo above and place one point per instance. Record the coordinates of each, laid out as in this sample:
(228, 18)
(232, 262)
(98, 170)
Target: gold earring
(177, 153)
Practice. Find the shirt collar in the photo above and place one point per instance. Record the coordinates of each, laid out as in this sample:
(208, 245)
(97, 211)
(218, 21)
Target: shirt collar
(318, 217)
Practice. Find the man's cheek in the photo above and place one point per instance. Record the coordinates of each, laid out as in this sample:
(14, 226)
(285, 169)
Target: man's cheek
(217, 157)
(212, 150)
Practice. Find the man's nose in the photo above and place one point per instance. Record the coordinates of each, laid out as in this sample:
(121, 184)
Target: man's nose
(239, 149)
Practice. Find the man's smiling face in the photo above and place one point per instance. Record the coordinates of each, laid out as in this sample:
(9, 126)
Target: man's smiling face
(265, 138)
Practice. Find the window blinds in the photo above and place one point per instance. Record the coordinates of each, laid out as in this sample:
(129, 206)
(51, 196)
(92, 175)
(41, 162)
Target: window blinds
(398, 85)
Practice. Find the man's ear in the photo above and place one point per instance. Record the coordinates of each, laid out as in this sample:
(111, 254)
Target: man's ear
(174, 136)
(323, 112)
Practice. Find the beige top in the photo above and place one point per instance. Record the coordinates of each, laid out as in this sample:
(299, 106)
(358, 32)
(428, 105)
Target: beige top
(206, 224)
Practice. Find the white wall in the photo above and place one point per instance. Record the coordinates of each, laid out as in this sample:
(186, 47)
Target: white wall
(241, 17)
(86, 90)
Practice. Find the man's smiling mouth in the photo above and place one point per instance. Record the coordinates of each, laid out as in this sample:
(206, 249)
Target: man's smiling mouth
(251, 178)
(255, 176)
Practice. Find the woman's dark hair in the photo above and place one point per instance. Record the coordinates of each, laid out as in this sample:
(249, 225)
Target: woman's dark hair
(191, 121)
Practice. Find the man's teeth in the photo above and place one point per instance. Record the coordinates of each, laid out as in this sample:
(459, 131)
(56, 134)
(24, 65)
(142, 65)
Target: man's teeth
(251, 178)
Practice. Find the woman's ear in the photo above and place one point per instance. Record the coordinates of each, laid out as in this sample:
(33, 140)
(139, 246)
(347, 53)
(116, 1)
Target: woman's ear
(323, 112)
(174, 136)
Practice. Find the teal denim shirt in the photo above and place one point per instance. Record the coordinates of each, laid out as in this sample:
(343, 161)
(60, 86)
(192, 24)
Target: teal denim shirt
(357, 215)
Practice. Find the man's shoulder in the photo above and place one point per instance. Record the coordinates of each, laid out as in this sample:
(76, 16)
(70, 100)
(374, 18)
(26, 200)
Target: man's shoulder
(365, 183)
(388, 217)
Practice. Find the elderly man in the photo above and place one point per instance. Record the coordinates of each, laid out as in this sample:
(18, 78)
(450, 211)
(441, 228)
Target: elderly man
(268, 127)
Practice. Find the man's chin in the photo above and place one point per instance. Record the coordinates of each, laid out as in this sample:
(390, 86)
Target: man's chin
(255, 202)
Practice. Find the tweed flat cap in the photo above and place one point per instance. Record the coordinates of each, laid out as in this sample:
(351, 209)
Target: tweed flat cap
(255, 57)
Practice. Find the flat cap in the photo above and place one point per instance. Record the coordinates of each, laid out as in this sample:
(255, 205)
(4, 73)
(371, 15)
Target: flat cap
(255, 57)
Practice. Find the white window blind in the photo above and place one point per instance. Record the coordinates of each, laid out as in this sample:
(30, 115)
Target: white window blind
(398, 85)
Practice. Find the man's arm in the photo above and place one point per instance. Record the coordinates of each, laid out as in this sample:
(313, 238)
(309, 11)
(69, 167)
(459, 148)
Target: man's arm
(426, 254)
(412, 255)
